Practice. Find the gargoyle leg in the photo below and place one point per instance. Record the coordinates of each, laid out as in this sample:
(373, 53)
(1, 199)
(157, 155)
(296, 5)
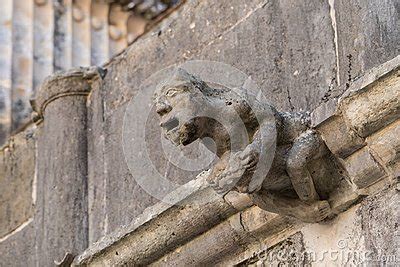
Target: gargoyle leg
(304, 149)
(306, 212)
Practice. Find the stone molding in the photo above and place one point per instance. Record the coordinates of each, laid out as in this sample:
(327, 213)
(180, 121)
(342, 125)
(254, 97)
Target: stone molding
(369, 155)
(68, 83)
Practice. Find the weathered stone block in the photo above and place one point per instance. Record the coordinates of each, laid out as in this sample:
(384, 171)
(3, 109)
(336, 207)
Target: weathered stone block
(386, 145)
(340, 139)
(255, 219)
(238, 201)
(368, 34)
(186, 34)
(375, 106)
(380, 217)
(363, 168)
(324, 112)
(290, 55)
(343, 197)
(17, 172)
(289, 252)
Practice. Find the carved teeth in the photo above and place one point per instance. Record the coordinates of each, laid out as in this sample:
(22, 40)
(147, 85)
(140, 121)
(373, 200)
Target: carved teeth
(170, 124)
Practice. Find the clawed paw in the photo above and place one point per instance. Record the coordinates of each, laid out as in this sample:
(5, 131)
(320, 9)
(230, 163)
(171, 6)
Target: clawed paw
(224, 182)
(226, 173)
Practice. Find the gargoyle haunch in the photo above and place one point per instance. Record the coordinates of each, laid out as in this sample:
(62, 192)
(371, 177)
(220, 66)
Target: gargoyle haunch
(303, 171)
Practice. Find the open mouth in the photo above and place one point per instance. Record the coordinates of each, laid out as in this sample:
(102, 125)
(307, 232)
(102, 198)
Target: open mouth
(170, 124)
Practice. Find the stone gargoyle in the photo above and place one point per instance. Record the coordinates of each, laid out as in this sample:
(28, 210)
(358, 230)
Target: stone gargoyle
(303, 171)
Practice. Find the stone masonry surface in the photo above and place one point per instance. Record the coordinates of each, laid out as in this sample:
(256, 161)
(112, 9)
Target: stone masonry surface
(65, 184)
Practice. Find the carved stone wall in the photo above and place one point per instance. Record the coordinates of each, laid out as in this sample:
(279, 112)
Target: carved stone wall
(79, 190)
(362, 227)
(39, 37)
(17, 177)
(288, 48)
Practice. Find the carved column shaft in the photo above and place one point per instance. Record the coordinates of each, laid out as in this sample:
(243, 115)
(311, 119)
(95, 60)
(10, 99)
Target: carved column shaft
(81, 33)
(63, 35)
(99, 33)
(43, 42)
(22, 61)
(62, 163)
(5, 68)
(117, 29)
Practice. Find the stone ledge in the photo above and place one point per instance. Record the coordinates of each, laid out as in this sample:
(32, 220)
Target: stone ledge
(162, 227)
(327, 109)
(187, 233)
(370, 104)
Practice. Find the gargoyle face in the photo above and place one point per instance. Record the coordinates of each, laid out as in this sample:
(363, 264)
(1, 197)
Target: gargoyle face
(178, 107)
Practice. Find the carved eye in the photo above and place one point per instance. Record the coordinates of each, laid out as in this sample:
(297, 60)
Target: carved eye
(171, 92)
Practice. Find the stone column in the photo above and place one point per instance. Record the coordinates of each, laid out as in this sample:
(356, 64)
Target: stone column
(5, 68)
(60, 104)
(62, 35)
(43, 28)
(118, 19)
(99, 33)
(22, 61)
(81, 33)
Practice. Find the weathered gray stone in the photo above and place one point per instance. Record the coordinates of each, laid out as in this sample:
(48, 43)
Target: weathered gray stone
(81, 38)
(340, 139)
(290, 251)
(345, 196)
(43, 42)
(189, 35)
(17, 182)
(290, 55)
(99, 33)
(232, 236)
(117, 29)
(21, 246)
(386, 146)
(324, 112)
(379, 219)
(175, 35)
(125, 198)
(151, 235)
(22, 62)
(238, 200)
(5, 69)
(234, 31)
(374, 106)
(363, 169)
(61, 101)
(368, 34)
(62, 35)
(19, 249)
(96, 166)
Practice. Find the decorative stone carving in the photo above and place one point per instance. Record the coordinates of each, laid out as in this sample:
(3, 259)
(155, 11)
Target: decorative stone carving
(303, 173)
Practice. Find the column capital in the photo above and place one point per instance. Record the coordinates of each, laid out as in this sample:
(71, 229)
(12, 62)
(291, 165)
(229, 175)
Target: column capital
(76, 81)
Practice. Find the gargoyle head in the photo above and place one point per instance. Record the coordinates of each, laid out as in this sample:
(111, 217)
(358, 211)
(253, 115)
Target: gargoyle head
(179, 103)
